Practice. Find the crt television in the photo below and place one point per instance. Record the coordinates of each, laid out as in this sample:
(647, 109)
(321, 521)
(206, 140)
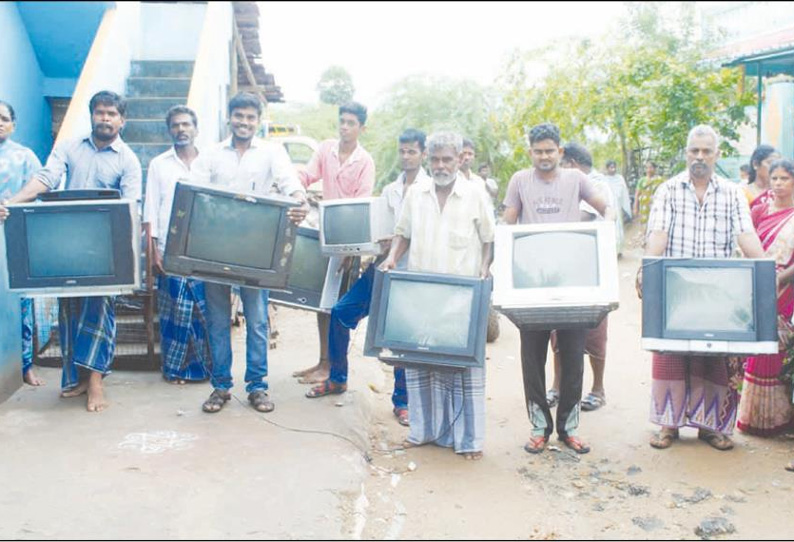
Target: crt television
(353, 226)
(314, 282)
(709, 306)
(556, 276)
(228, 237)
(73, 248)
(428, 320)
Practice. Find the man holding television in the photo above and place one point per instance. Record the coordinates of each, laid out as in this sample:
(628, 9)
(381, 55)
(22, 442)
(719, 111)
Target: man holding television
(354, 305)
(548, 193)
(697, 214)
(346, 170)
(181, 303)
(100, 160)
(578, 157)
(446, 226)
(244, 163)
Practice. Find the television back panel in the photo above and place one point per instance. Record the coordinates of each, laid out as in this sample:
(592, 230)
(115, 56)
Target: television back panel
(227, 237)
(387, 340)
(538, 287)
(304, 290)
(709, 306)
(73, 248)
(364, 235)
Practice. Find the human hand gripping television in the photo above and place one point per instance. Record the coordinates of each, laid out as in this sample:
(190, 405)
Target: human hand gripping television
(229, 237)
(709, 306)
(557, 275)
(66, 248)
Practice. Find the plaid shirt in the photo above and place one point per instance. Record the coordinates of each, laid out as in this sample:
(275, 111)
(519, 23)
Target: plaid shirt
(699, 231)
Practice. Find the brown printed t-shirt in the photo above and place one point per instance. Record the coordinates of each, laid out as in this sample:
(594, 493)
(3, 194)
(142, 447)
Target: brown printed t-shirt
(556, 201)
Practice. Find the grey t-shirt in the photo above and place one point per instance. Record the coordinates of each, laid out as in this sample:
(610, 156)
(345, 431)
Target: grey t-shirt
(555, 201)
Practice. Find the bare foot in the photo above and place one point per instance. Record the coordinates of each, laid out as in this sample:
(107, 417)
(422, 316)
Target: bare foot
(473, 456)
(408, 444)
(75, 392)
(317, 377)
(32, 378)
(96, 396)
(177, 382)
(306, 372)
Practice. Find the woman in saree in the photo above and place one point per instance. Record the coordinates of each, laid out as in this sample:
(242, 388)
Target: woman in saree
(765, 408)
(758, 189)
(643, 193)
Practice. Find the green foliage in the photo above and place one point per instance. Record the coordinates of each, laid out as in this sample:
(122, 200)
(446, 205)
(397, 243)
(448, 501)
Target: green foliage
(335, 86)
(633, 96)
(430, 104)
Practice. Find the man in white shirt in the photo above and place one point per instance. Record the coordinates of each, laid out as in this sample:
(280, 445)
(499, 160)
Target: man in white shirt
(446, 226)
(181, 301)
(244, 163)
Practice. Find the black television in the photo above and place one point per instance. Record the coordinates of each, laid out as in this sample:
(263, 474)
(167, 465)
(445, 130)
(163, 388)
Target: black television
(73, 248)
(709, 306)
(229, 237)
(314, 281)
(426, 320)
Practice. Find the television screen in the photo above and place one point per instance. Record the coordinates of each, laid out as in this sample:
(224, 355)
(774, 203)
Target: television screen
(346, 224)
(555, 259)
(308, 265)
(77, 244)
(428, 314)
(73, 248)
(709, 299)
(228, 231)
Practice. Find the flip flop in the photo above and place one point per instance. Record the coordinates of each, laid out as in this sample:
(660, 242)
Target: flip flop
(402, 416)
(536, 445)
(326, 388)
(716, 440)
(575, 444)
(663, 439)
(593, 402)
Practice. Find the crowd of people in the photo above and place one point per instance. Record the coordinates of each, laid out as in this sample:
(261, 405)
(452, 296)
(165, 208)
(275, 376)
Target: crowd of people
(444, 222)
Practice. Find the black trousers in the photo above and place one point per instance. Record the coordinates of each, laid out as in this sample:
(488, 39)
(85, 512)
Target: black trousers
(534, 347)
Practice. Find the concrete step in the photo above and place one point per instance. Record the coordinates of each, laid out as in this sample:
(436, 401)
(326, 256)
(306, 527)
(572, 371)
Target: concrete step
(146, 151)
(161, 68)
(158, 87)
(151, 108)
(146, 131)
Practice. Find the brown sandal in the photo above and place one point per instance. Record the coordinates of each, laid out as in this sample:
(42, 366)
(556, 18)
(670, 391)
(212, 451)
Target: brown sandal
(261, 402)
(664, 438)
(326, 388)
(716, 440)
(216, 401)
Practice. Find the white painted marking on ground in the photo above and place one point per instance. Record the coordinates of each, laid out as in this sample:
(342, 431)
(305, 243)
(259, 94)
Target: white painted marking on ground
(157, 442)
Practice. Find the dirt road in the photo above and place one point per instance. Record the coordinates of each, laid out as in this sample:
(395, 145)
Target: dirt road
(622, 489)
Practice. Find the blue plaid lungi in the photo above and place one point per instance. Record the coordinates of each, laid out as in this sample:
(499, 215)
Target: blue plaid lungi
(183, 328)
(87, 329)
(27, 334)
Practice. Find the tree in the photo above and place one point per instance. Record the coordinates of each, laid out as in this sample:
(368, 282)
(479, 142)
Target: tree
(335, 86)
(634, 94)
(430, 104)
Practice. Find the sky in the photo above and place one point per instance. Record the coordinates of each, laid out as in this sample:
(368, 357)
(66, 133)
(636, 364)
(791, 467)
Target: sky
(379, 43)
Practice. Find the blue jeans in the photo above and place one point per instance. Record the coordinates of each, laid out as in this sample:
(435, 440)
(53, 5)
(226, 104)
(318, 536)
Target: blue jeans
(346, 315)
(219, 327)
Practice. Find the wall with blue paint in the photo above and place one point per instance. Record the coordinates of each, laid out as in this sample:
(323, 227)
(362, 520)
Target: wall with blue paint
(10, 333)
(23, 83)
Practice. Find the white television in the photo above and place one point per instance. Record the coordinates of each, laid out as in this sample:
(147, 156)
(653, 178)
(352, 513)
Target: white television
(353, 226)
(556, 276)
